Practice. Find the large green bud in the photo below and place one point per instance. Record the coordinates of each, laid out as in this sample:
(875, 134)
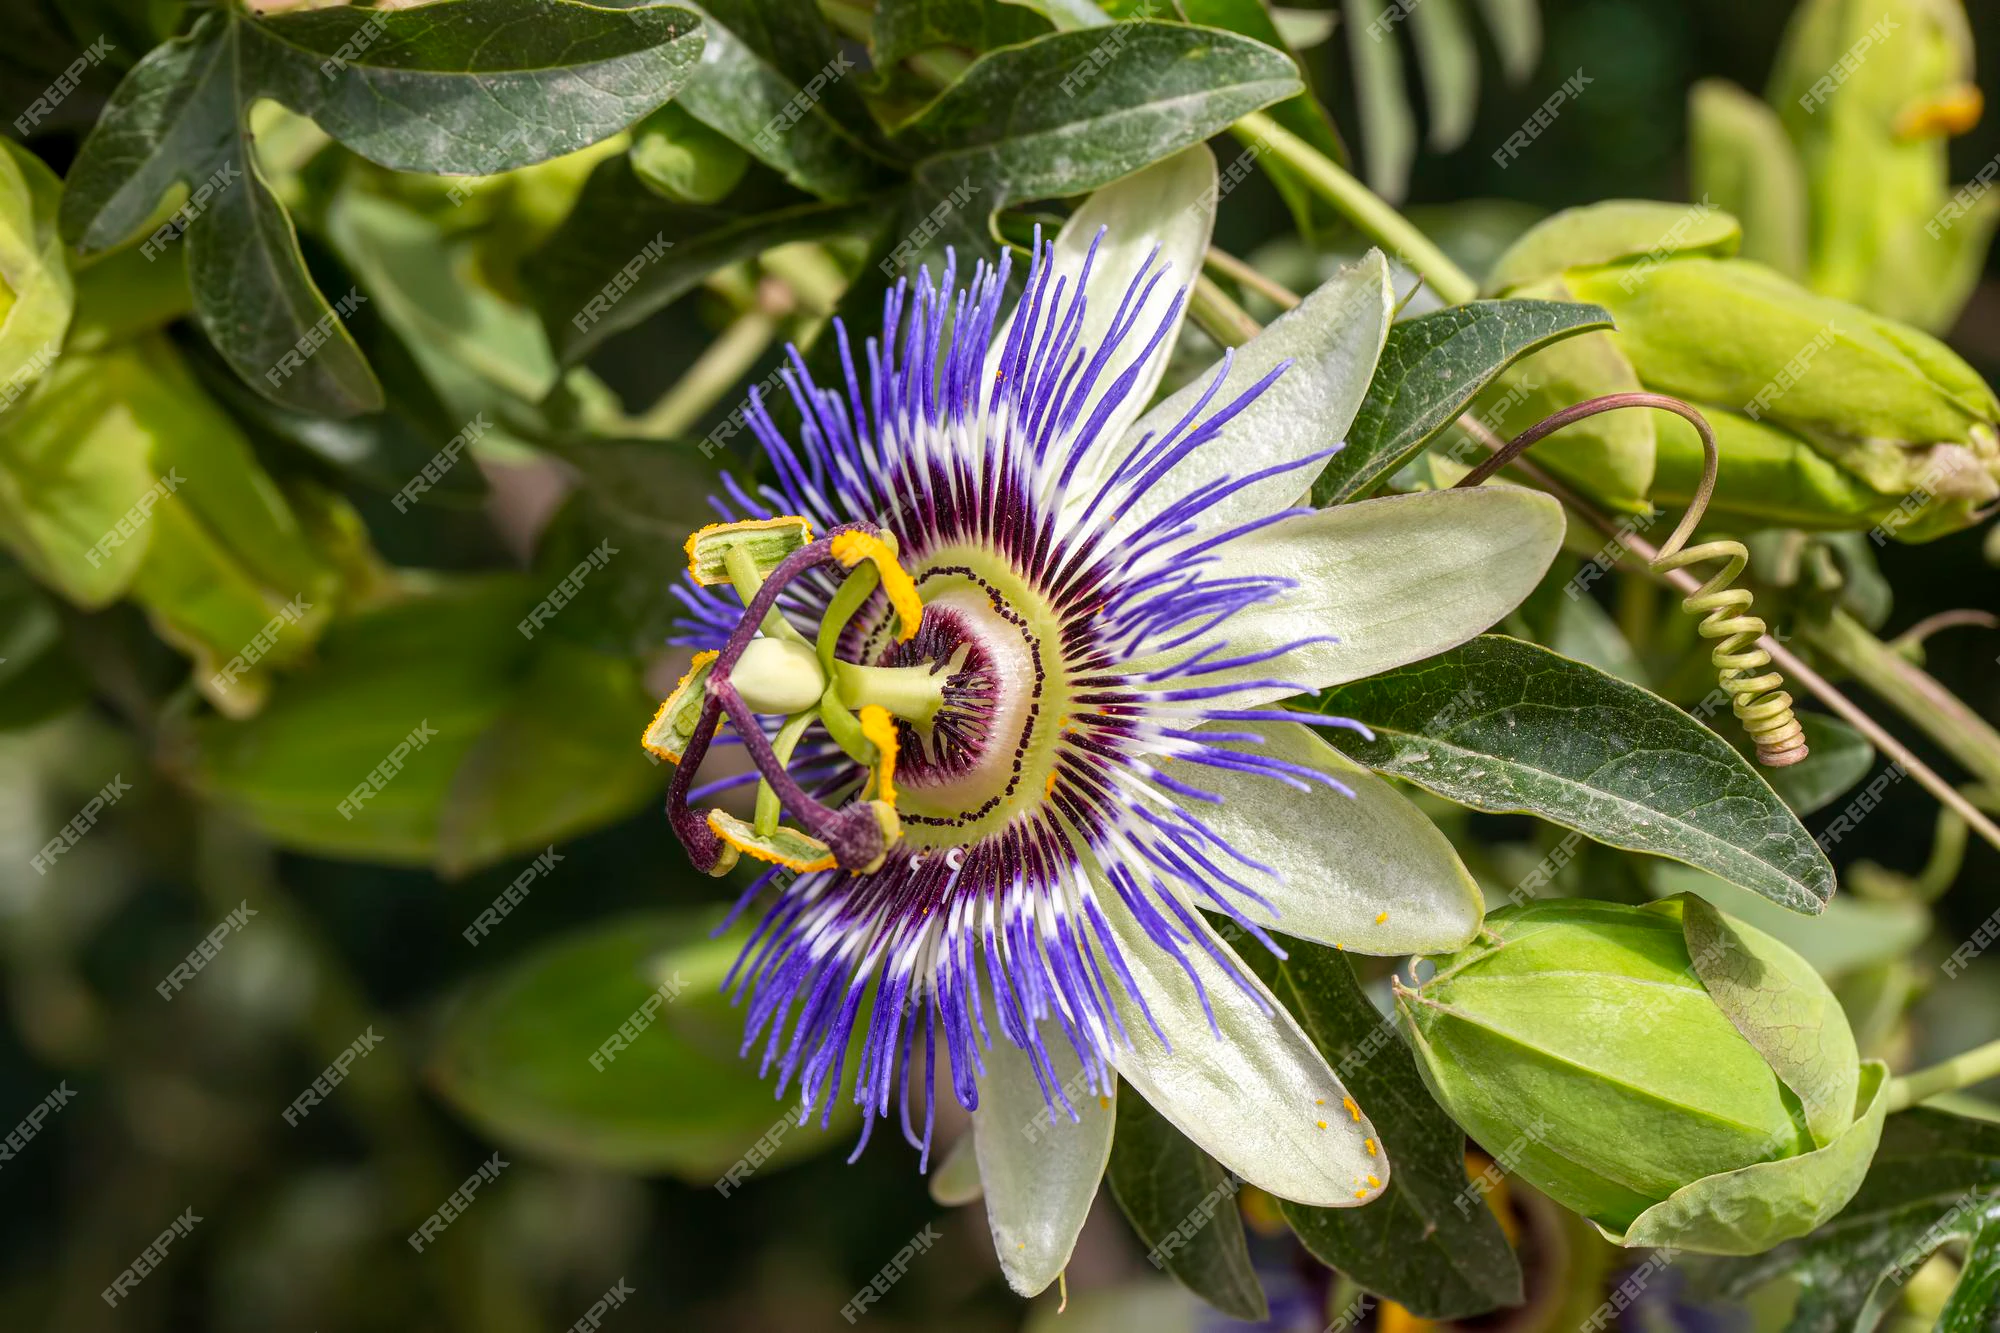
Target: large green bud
(1828, 416)
(1674, 1075)
(1871, 95)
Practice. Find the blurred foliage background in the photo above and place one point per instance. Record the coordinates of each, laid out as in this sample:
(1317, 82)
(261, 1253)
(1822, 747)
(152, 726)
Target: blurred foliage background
(485, 1038)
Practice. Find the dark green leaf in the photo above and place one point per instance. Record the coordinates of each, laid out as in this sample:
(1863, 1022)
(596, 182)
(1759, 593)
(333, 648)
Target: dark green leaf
(462, 85)
(527, 741)
(385, 449)
(669, 247)
(1501, 725)
(1975, 1301)
(1161, 1181)
(1841, 757)
(1429, 1243)
(1431, 369)
(905, 27)
(740, 93)
(471, 87)
(1936, 1177)
(1069, 112)
(516, 1055)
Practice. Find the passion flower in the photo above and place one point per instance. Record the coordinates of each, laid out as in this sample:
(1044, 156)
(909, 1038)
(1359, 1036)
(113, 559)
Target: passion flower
(1005, 651)
(1671, 1073)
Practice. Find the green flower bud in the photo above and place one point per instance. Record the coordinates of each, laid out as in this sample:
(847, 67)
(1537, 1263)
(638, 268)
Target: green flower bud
(1668, 1072)
(1870, 95)
(1911, 433)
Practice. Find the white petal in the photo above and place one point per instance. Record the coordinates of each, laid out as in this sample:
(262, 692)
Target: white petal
(1395, 580)
(1039, 1175)
(1333, 339)
(1169, 207)
(1259, 1098)
(1340, 862)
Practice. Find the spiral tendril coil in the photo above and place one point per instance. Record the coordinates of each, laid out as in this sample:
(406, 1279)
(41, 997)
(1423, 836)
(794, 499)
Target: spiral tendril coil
(1756, 695)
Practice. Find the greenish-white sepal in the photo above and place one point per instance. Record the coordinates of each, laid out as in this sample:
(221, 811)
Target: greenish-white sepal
(1339, 862)
(1394, 580)
(1606, 233)
(1039, 1171)
(1333, 339)
(1750, 1210)
(1302, 1142)
(1783, 1008)
(766, 541)
(1169, 207)
(954, 1181)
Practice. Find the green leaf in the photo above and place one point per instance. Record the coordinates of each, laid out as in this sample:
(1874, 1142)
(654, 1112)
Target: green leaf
(1936, 1177)
(1430, 371)
(1162, 1181)
(1388, 126)
(1502, 725)
(1045, 120)
(1840, 757)
(1302, 115)
(791, 118)
(36, 294)
(1429, 1243)
(515, 1056)
(905, 27)
(1977, 1295)
(385, 450)
(1448, 54)
(668, 248)
(515, 744)
(684, 161)
(1517, 30)
(472, 86)
(1741, 160)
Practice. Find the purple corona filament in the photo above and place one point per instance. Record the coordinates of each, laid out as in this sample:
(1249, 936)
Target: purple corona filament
(1075, 644)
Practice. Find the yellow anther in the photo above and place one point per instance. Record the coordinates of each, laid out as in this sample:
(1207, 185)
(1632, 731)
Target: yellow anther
(707, 546)
(1944, 114)
(851, 548)
(789, 848)
(661, 736)
(880, 729)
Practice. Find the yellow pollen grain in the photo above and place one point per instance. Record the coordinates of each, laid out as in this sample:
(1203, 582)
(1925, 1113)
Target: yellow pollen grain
(1103, 1102)
(1361, 1194)
(1373, 1183)
(1352, 1109)
(880, 729)
(1320, 1123)
(851, 548)
(1380, 917)
(1049, 787)
(1369, 1144)
(1319, 1101)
